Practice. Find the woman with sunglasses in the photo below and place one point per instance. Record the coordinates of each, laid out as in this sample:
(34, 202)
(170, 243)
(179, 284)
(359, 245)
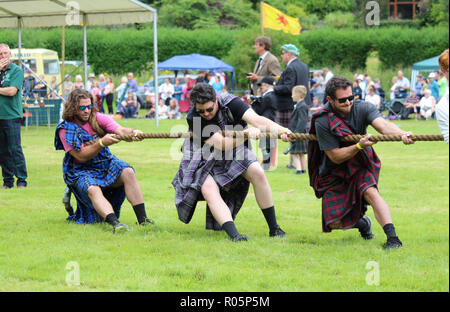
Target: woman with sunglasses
(99, 180)
(218, 168)
(345, 175)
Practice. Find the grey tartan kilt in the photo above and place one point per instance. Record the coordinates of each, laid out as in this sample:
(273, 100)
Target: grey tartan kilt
(227, 173)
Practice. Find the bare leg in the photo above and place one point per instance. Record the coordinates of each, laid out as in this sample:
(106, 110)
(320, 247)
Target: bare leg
(101, 204)
(211, 193)
(296, 161)
(303, 161)
(380, 208)
(133, 190)
(263, 193)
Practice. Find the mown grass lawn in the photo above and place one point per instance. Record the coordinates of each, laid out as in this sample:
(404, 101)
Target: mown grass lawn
(39, 250)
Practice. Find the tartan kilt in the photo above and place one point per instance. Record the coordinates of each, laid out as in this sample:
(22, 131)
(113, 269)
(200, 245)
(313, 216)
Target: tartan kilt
(343, 199)
(283, 118)
(299, 147)
(227, 173)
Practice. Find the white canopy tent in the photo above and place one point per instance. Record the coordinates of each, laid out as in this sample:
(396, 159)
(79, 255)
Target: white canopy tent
(53, 13)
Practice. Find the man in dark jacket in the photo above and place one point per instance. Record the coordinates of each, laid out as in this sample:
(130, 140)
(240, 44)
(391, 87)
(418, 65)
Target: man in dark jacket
(296, 73)
(267, 107)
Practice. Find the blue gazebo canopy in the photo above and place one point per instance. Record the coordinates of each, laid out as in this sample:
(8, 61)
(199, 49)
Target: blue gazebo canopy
(196, 61)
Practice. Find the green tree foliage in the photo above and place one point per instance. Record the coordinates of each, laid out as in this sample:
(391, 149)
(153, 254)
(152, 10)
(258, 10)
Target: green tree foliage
(195, 14)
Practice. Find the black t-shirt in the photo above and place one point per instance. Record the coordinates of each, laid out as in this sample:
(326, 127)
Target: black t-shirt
(361, 115)
(207, 128)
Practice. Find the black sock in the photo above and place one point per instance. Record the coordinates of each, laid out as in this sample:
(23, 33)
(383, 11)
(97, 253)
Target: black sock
(230, 228)
(271, 218)
(139, 210)
(389, 230)
(112, 219)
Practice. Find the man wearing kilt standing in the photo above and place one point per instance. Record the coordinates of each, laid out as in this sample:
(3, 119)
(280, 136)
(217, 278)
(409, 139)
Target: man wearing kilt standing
(218, 168)
(345, 175)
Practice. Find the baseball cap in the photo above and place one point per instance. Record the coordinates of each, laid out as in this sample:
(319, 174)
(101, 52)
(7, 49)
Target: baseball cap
(266, 79)
(290, 48)
(432, 75)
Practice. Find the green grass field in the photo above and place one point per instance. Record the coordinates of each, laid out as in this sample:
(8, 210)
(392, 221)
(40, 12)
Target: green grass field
(40, 251)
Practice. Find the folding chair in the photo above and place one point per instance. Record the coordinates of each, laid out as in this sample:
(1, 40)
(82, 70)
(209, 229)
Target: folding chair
(394, 108)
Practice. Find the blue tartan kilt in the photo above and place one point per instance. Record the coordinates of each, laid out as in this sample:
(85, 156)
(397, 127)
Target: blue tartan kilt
(86, 212)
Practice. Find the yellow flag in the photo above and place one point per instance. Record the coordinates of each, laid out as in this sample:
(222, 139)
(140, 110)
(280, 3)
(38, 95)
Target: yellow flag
(275, 19)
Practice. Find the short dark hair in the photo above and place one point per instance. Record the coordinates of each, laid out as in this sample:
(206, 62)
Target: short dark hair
(202, 93)
(336, 83)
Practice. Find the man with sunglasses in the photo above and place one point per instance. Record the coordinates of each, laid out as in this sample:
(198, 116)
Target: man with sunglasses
(98, 179)
(345, 175)
(218, 168)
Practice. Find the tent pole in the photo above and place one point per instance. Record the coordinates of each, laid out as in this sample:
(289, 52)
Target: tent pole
(155, 66)
(19, 41)
(85, 48)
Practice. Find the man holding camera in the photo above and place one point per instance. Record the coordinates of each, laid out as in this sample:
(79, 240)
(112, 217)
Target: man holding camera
(266, 106)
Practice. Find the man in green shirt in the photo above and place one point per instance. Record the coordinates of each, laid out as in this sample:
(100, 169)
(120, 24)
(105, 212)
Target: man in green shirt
(12, 160)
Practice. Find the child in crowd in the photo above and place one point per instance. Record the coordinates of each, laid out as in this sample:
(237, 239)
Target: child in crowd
(299, 124)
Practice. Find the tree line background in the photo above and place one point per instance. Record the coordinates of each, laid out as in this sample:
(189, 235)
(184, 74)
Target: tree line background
(334, 34)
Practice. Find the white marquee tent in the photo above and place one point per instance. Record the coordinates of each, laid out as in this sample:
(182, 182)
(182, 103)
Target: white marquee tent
(53, 13)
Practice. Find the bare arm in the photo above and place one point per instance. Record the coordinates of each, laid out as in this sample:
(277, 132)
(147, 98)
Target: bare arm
(265, 124)
(8, 91)
(340, 155)
(86, 153)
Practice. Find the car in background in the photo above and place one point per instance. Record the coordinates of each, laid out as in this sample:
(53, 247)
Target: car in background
(149, 87)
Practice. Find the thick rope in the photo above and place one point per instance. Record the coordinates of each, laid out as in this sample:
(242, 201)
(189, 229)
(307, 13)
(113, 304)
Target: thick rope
(295, 136)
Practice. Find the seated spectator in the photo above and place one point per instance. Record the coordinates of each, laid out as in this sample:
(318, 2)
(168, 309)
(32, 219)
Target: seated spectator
(162, 110)
(411, 105)
(357, 92)
(427, 105)
(402, 86)
(40, 88)
(151, 111)
(174, 111)
(373, 98)
(394, 91)
(129, 105)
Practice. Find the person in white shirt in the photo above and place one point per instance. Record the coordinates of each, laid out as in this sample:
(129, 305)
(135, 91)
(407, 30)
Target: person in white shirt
(442, 107)
(328, 74)
(427, 105)
(402, 85)
(373, 98)
(166, 90)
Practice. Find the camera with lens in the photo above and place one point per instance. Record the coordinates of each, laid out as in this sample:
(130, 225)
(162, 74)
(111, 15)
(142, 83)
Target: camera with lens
(255, 100)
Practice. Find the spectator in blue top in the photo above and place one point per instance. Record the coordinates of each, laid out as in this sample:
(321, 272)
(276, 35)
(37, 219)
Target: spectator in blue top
(133, 85)
(434, 86)
(217, 85)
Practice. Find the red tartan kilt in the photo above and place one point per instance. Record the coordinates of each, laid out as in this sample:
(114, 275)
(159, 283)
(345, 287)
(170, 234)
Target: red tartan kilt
(344, 200)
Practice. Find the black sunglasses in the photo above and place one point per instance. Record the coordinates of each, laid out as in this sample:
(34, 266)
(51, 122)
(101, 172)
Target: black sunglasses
(343, 100)
(83, 107)
(202, 111)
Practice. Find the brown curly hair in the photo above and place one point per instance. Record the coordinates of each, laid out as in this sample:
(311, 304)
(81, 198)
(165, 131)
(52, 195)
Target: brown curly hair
(71, 109)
